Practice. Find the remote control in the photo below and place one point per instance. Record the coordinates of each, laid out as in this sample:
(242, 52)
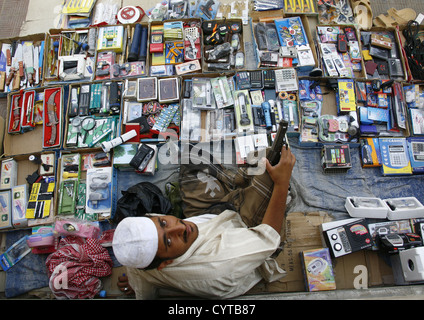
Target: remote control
(269, 79)
(256, 79)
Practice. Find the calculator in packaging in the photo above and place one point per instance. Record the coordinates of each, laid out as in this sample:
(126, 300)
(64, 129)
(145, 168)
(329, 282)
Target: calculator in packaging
(394, 156)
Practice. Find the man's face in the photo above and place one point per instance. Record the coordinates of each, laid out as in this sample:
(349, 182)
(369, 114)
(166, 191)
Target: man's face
(175, 236)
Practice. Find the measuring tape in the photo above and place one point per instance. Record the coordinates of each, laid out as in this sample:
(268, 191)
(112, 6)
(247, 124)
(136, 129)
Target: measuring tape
(130, 14)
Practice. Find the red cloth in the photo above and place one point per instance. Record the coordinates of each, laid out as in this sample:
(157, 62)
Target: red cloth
(74, 269)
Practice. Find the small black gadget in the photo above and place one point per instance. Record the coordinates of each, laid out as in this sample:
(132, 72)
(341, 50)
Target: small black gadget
(142, 157)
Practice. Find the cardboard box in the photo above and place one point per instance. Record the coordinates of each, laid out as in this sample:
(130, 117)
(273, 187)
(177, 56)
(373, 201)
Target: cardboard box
(119, 68)
(207, 65)
(85, 157)
(354, 62)
(325, 105)
(52, 46)
(374, 118)
(107, 122)
(31, 170)
(160, 50)
(73, 62)
(301, 233)
(397, 51)
(31, 141)
(199, 124)
(37, 40)
(306, 52)
(167, 89)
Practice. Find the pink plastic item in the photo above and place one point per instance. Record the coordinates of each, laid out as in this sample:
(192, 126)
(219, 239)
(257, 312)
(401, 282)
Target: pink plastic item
(75, 228)
(40, 240)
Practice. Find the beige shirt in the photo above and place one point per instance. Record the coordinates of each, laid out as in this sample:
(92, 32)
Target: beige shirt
(226, 260)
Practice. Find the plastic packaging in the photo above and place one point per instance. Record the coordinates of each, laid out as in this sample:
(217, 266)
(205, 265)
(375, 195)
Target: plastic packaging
(40, 240)
(76, 227)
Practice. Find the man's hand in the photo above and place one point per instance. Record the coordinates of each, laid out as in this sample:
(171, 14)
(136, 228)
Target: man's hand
(281, 172)
(280, 175)
(124, 285)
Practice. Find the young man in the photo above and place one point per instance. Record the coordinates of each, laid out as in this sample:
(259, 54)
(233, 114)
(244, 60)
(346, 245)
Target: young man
(210, 256)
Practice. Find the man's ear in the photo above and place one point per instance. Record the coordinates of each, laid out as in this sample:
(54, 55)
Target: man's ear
(164, 264)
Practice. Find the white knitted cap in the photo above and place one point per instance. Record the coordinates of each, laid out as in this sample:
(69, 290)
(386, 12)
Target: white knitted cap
(135, 242)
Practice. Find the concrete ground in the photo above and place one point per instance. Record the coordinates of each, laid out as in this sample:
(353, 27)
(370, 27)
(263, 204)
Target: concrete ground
(412, 292)
(22, 17)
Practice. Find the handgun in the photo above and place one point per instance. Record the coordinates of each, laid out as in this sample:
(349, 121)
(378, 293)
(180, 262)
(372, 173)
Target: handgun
(273, 155)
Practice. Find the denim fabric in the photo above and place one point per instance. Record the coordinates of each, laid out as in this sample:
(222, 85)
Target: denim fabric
(28, 274)
(314, 190)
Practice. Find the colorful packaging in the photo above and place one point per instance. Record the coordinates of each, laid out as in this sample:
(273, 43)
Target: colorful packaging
(318, 270)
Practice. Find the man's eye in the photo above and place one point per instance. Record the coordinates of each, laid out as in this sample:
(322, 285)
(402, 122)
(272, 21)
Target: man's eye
(169, 242)
(163, 223)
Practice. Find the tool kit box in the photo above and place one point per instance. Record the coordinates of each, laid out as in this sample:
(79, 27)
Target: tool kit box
(284, 43)
(223, 45)
(93, 114)
(175, 47)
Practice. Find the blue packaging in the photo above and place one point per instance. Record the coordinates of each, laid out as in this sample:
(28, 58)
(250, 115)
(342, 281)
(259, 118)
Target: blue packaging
(416, 154)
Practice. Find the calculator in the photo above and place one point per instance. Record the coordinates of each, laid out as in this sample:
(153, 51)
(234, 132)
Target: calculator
(397, 156)
(285, 80)
(418, 150)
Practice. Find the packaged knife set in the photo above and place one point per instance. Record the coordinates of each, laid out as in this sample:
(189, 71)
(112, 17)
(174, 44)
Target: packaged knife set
(21, 112)
(52, 112)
